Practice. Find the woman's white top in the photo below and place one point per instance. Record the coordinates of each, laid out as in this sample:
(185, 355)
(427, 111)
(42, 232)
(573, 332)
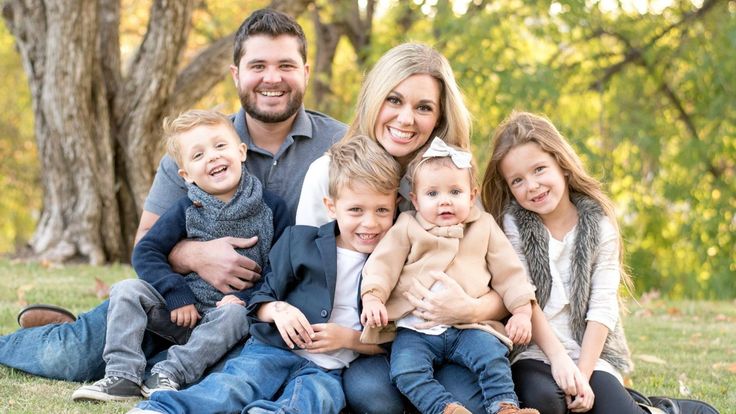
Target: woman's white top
(603, 305)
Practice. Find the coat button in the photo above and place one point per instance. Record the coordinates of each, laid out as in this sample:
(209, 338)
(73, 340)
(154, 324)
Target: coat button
(323, 313)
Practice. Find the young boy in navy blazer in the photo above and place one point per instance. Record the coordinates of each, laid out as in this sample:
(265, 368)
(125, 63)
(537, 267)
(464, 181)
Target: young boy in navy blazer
(308, 322)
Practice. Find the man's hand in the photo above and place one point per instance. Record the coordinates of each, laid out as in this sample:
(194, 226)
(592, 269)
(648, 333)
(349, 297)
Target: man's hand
(217, 262)
(374, 312)
(329, 337)
(519, 325)
(230, 299)
(186, 316)
(290, 321)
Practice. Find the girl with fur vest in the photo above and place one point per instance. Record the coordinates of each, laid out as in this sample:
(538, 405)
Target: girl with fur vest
(563, 228)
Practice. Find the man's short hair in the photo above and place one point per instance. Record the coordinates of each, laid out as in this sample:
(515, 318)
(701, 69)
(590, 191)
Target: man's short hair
(271, 23)
(360, 159)
(185, 121)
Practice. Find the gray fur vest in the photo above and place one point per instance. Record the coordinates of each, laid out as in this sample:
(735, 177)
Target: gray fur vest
(534, 240)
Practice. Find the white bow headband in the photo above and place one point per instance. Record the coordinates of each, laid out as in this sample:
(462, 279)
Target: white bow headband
(438, 148)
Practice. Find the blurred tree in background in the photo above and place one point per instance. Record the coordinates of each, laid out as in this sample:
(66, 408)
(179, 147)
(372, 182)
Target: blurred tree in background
(643, 89)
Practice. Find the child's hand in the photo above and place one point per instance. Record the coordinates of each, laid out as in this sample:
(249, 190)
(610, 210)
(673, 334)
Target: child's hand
(293, 326)
(230, 299)
(374, 312)
(519, 326)
(328, 337)
(186, 316)
(583, 401)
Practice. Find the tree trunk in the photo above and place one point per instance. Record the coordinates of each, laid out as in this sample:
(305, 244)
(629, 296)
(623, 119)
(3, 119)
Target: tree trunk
(98, 127)
(96, 130)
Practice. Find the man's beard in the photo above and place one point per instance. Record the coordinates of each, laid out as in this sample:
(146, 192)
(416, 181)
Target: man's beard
(250, 107)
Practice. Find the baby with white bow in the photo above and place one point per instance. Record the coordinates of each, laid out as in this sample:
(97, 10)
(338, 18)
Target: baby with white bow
(447, 233)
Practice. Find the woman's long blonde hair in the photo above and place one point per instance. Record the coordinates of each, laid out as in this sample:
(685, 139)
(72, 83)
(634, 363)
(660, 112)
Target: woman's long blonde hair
(395, 66)
(524, 127)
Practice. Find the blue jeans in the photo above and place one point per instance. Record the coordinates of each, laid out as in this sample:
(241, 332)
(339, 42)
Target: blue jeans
(136, 306)
(251, 381)
(67, 351)
(370, 375)
(414, 355)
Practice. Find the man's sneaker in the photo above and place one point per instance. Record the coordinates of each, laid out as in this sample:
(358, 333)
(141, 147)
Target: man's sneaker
(108, 389)
(158, 382)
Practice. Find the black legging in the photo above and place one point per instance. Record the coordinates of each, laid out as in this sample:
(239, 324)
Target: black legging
(536, 388)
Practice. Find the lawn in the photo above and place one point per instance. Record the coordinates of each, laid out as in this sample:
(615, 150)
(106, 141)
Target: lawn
(682, 349)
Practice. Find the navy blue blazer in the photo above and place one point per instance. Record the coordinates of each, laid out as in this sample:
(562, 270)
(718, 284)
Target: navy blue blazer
(303, 273)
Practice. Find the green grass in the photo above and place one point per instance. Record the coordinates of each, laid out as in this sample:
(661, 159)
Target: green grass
(675, 344)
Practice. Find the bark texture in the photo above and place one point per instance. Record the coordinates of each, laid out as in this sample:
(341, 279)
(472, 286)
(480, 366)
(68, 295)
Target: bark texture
(97, 124)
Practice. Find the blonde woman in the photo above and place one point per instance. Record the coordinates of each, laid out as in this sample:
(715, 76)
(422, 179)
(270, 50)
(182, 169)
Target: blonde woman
(408, 97)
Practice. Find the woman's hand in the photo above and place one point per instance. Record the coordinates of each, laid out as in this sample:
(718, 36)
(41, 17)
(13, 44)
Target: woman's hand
(450, 306)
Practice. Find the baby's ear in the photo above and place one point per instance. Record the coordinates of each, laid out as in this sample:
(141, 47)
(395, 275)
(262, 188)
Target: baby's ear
(473, 194)
(412, 197)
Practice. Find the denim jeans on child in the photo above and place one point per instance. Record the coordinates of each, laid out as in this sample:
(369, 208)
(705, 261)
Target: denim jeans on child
(252, 380)
(414, 354)
(135, 306)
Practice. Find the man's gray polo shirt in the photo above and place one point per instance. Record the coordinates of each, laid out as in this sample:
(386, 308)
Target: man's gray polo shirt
(282, 173)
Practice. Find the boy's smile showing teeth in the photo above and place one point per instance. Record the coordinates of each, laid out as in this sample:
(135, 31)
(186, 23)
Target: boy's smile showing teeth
(218, 170)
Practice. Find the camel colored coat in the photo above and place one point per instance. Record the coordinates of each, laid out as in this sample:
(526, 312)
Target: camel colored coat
(475, 253)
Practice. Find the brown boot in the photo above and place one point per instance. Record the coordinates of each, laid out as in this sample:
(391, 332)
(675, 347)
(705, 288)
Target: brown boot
(508, 408)
(40, 315)
(455, 408)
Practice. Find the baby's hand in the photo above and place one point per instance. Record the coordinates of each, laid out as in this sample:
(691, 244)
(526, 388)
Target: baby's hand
(230, 299)
(374, 312)
(186, 316)
(519, 326)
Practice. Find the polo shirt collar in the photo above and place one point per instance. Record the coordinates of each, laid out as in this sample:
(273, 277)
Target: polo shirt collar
(302, 127)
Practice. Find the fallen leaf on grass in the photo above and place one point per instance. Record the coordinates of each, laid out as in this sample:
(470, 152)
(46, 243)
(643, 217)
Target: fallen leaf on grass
(673, 311)
(651, 359)
(730, 367)
(721, 318)
(102, 290)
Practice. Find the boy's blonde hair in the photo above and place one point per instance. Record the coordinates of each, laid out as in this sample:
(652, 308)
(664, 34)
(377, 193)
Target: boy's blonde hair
(362, 160)
(522, 128)
(186, 121)
(394, 67)
(419, 162)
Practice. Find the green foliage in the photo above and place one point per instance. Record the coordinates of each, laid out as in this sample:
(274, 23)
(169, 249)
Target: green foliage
(658, 132)
(19, 172)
